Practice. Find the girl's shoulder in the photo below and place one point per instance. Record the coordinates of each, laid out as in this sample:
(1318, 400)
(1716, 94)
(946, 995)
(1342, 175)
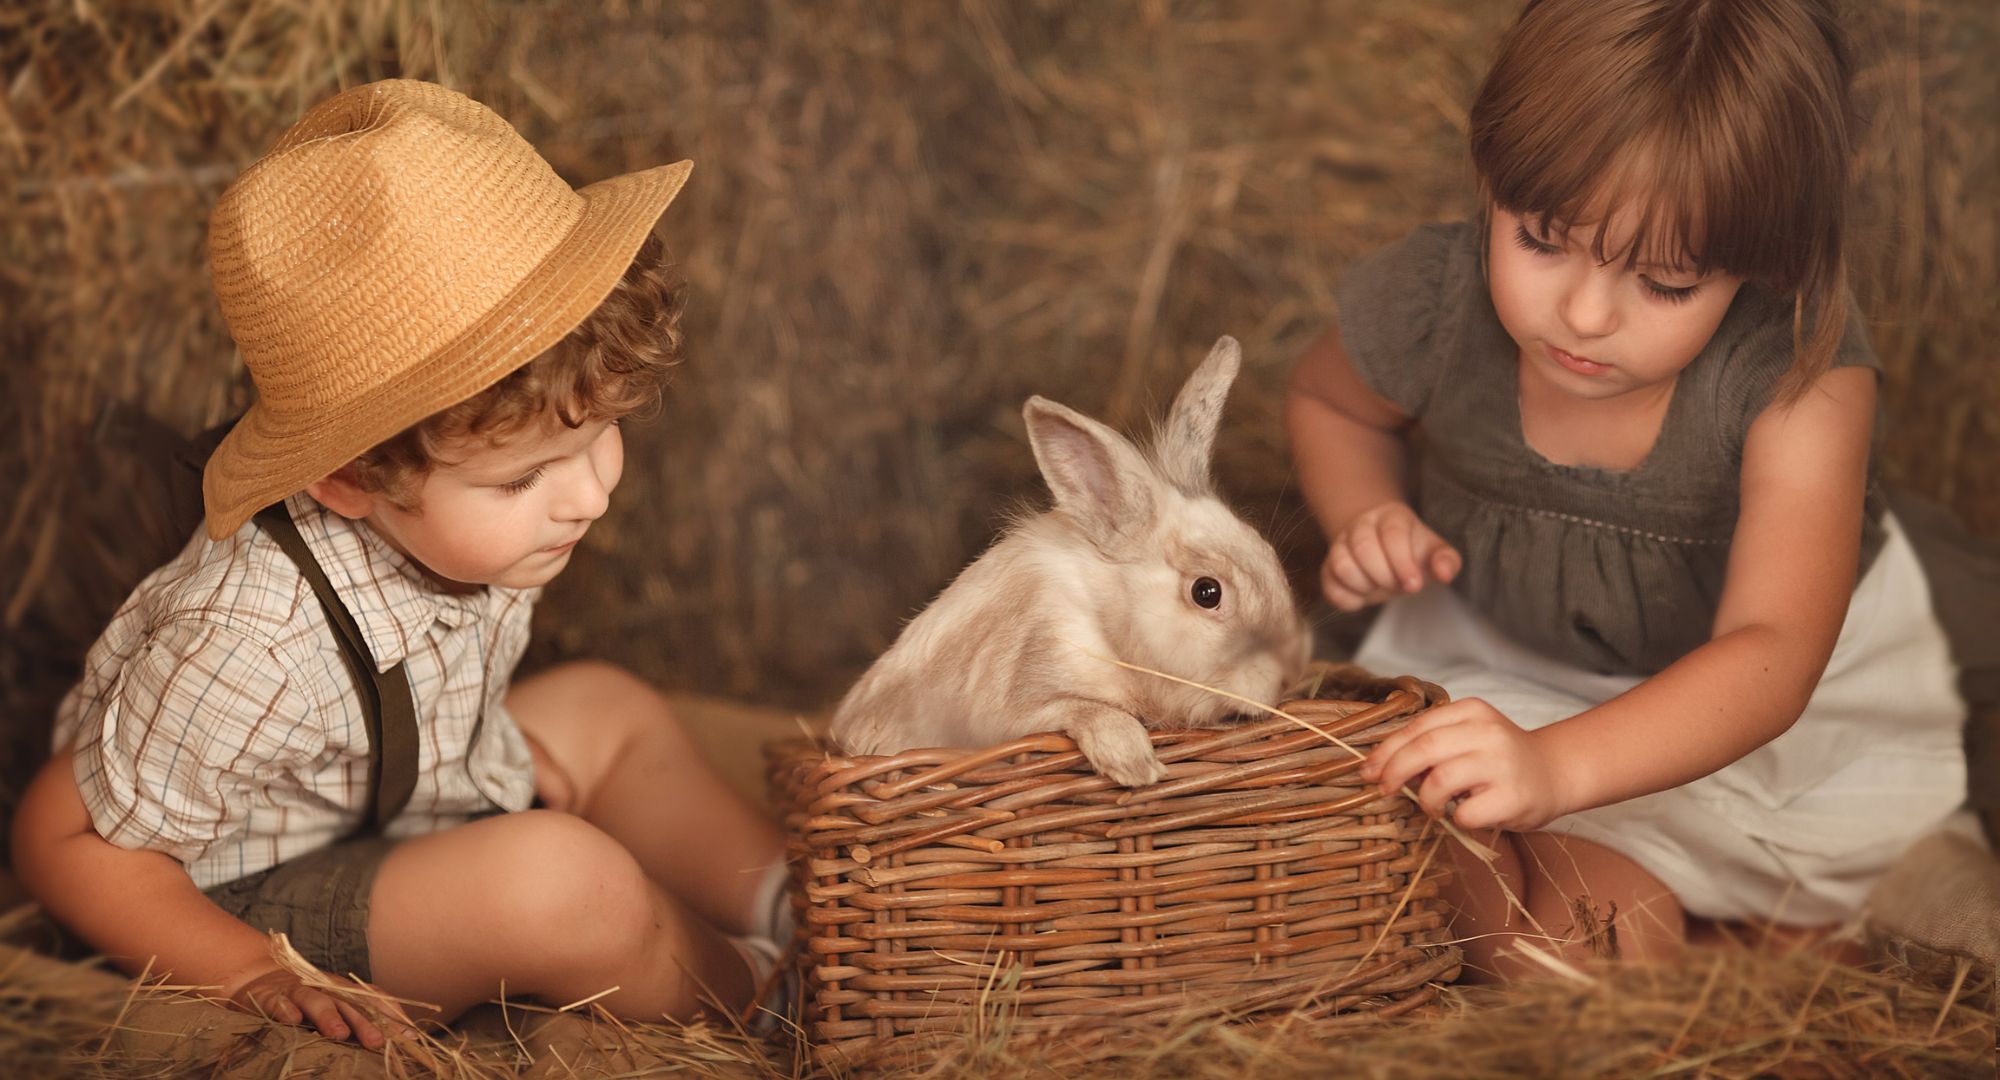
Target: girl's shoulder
(1397, 305)
(1752, 350)
(1411, 275)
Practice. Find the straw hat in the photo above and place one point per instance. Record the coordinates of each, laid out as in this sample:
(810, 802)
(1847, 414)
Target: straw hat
(399, 250)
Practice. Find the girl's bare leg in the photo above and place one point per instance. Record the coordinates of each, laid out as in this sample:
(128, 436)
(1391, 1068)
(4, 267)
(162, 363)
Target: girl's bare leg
(551, 906)
(1588, 900)
(609, 750)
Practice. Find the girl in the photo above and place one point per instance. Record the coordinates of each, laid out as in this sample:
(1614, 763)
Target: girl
(1695, 665)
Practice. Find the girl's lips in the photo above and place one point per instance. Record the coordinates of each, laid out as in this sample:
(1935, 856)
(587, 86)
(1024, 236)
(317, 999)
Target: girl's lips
(1578, 364)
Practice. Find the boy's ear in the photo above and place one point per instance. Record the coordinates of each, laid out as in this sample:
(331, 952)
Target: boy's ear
(339, 493)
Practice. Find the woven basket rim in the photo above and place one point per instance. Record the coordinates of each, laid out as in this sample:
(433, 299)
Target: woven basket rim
(951, 761)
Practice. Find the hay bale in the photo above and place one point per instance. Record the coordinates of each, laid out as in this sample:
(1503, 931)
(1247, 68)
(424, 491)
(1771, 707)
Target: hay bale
(905, 219)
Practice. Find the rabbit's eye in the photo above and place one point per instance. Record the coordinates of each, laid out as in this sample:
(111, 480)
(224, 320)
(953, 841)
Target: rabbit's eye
(1207, 592)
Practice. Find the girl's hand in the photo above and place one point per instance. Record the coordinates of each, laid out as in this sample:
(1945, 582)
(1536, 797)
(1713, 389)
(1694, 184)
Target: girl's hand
(1383, 552)
(1501, 775)
(280, 995)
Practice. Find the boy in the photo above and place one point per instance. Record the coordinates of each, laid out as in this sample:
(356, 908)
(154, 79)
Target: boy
(304, 722)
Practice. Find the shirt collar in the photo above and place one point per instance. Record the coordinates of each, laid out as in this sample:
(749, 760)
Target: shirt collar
(391, 598)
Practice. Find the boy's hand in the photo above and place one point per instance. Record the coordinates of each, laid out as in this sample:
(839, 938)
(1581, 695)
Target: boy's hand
(1501, 775)
(1383, 552)
(281, 995)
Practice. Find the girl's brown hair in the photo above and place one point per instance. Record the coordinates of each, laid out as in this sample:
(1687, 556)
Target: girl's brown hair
(614, 364)
(1723, 125)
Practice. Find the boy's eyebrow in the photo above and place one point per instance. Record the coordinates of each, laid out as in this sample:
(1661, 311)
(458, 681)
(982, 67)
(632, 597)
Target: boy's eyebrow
(512, 471)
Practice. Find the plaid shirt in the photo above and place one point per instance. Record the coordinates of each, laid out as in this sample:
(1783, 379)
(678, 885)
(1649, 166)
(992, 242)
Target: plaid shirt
(217, 721)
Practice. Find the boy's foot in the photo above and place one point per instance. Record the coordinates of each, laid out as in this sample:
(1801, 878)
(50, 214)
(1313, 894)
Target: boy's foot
(774, 1002)
(771, 909)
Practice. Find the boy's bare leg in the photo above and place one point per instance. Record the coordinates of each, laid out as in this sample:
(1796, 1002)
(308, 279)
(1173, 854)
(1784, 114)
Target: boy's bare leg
(1588, 898)
(609, 750)
(553, 907)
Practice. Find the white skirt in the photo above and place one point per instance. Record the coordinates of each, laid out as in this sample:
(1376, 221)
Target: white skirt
(1799, 829)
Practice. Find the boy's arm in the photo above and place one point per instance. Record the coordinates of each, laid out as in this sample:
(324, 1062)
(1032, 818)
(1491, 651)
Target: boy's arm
(142, 910)
(130, 905)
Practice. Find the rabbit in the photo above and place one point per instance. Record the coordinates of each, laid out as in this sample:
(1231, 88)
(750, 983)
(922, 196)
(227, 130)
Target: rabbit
(1138, 560)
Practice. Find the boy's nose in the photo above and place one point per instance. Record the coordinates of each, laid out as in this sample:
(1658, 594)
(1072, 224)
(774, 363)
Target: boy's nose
(585, 498)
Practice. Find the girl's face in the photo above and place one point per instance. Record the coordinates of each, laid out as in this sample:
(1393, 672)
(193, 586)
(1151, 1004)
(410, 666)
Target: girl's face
(1598, 330)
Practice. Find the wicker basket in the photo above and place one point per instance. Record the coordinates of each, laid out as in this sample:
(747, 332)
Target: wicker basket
(1259, 879)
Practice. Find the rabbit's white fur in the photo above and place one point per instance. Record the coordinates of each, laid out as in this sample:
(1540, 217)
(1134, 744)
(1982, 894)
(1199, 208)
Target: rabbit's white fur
(1021, 641)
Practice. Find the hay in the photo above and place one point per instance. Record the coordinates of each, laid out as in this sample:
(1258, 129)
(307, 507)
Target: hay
(904, 220)
(1723, 1011)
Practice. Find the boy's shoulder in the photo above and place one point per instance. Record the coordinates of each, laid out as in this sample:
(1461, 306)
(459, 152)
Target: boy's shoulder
(238, 598)
(243, 583)
(246, 583)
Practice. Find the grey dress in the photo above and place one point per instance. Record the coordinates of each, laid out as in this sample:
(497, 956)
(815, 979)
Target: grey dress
(1580, 582)
(1611, 571)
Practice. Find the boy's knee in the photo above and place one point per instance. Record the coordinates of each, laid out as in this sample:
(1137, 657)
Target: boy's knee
(604, 678)
(643, 711)
(612, 691)
(581, 889)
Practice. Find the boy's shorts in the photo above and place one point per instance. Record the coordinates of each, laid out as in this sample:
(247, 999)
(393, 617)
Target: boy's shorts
(318, 900)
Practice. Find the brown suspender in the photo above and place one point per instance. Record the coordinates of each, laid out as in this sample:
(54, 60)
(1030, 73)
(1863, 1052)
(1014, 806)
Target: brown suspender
(392, 712)
(391, 708)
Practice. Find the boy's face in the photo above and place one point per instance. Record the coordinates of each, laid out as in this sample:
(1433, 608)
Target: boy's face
(508, 514)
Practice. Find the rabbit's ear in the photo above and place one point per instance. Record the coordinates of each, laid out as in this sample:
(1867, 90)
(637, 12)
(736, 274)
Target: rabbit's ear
(1098, 478)
(1187, 440)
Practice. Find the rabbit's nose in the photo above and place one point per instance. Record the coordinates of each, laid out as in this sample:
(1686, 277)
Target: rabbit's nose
(1290, 647)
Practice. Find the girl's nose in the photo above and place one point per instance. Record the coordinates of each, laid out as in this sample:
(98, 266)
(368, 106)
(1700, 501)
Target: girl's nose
(1588, 307)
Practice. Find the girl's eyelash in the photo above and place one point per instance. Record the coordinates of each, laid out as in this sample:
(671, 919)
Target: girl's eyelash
(515, 487)
(1670, 293)
(1529, 243)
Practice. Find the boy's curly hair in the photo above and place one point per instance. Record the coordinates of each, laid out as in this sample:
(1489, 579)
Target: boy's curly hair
(614, 364)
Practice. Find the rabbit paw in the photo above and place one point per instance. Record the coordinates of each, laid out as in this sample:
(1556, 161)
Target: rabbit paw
(1117, 746)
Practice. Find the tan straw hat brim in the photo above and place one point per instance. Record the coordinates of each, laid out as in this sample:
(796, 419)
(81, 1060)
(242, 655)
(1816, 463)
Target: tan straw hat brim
(263, 460)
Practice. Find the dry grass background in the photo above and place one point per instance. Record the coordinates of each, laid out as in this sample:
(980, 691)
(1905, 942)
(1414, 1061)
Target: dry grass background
(904, 219)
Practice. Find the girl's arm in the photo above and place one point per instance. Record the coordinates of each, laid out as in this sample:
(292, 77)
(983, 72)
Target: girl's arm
(1347, 444)
(1791, 572)
(1347, 441)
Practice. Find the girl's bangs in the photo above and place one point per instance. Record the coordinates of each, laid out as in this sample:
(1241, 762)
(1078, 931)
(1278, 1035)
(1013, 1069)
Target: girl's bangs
(1660, 174)
(1660, 128)
(1646, 201)
(1655, 203)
